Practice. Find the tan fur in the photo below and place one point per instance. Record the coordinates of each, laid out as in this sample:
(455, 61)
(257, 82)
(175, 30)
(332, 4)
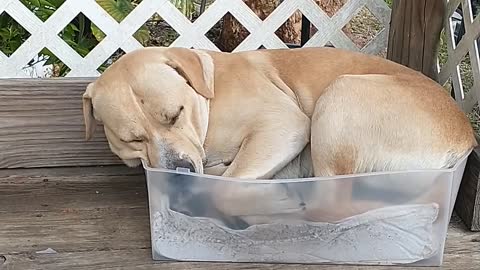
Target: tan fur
(403, 130)
(276, 114)
(88, 117)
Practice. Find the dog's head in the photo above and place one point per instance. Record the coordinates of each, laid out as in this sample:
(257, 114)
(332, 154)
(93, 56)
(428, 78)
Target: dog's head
(153, 104)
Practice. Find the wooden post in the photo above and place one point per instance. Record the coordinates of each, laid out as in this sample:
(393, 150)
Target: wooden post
(414, 36)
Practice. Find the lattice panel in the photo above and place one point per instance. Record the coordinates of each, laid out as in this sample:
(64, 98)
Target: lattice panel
(191, 34)
(465, 49)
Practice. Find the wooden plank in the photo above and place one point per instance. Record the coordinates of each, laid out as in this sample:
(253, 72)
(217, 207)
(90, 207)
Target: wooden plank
(415, 34)
(94, 208)
(41, 125)
(467, 204)
(97, 218)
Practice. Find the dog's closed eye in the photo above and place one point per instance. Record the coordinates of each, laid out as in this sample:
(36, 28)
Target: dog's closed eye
(135, 140)
(173, 119)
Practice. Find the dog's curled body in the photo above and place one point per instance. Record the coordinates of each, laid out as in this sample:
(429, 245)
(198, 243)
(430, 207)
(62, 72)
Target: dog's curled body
(276, 114)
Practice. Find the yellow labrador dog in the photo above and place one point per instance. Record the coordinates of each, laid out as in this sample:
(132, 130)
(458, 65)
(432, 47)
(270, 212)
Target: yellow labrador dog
(275, 114)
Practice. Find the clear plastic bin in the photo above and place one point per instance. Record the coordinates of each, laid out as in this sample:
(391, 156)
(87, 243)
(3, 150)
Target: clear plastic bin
(409, 226)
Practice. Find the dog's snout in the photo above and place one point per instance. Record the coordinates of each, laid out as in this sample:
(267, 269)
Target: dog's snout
(183, 163)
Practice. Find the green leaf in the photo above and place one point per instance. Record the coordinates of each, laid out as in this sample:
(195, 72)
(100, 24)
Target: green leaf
(51, 61)
(56, 3)
(142, 35)
(49, 4)
(15, 43)
(51, 58)
(45, 3)
(4, 33)
(63, 70)
(102, 68)
(185, 6)
(72, 43)
(84, 46)
(44, 13)
(117, 9)
(35, 3)
(25, 2)
(73, 28)
(14, 32)
(82, 51)
(45, 52)
(97, 33)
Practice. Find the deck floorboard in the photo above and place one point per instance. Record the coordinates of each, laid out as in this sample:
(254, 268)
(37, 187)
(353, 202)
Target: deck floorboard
(97, 218)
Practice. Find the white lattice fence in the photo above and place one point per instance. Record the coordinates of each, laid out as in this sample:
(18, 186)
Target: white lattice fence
(461, 56)
(192, 34)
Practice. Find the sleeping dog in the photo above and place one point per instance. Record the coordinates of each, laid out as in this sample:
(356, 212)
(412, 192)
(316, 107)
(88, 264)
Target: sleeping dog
(272, 114)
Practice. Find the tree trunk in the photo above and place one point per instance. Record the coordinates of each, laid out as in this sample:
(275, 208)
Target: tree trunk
(233, 33)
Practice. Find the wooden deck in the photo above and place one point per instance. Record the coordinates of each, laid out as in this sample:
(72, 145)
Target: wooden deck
(97, 218)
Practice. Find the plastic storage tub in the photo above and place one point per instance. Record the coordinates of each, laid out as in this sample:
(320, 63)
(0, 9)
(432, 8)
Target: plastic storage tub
(409, 226)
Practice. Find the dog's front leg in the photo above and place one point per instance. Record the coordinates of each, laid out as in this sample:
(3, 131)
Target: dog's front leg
(262, 154)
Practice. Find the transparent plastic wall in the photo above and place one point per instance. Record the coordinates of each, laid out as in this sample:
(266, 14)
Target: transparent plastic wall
(208, 218)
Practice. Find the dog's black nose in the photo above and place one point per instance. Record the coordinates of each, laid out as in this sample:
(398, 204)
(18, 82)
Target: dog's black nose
(183, 163)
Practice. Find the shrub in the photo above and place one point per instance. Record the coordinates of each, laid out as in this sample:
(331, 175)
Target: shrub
(80, 34)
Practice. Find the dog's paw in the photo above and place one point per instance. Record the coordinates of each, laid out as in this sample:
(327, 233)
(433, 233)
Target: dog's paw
(132, 163)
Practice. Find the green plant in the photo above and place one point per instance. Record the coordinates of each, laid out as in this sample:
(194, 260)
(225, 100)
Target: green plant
(77, 33)
(389, 3)
(119, 9)
(12, 34)
(80, 34)
(43, 8)
(186, 7)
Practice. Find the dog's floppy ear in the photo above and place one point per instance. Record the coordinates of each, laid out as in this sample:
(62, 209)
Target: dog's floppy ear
(90, 123)
(195, 66)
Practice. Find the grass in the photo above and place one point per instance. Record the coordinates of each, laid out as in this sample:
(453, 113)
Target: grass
(363, 27)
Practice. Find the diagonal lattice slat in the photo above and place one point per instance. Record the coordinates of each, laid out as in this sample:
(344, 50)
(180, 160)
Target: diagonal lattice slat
(120, 35)
(191, 34)
(467, 45)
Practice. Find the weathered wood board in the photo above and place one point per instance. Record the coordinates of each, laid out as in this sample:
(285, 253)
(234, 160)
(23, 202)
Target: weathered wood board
(97, 218)
(415, 33)
(41, 125)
